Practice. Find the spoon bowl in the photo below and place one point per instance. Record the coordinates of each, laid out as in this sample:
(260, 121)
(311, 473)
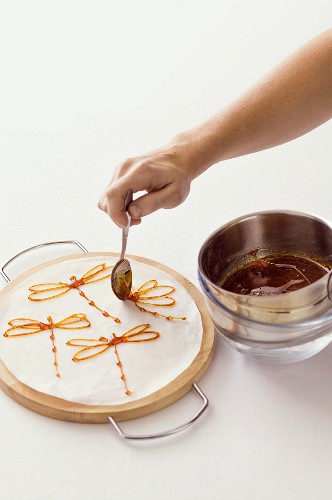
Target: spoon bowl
(121, 278)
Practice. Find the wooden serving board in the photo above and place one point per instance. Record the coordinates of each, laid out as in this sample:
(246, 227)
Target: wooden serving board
(61, 409)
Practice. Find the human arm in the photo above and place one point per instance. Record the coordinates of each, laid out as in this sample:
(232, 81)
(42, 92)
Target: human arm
(292, 99)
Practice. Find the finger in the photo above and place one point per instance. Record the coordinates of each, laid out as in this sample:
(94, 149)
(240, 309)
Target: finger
(167, 197)
(113, 205)
(102, 203)
(118, 173)
(141, 180)
(135, 222)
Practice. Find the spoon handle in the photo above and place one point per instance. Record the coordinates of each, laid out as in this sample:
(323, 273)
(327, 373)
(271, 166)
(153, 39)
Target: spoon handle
(125, 230)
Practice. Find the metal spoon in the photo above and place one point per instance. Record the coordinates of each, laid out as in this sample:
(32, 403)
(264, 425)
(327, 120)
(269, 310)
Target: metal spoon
(121, 278)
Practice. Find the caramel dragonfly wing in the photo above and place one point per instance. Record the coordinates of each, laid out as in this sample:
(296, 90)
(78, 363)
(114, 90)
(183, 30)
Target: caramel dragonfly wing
(151, 288)
(154, 294)
(97, 273)
(47, 291)
(140, 333)
(147, 286)
(91, 348)
(74, 322)
(22, 326)
(157, 301)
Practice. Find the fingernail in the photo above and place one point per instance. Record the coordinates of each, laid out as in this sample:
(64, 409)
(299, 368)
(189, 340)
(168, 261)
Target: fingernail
(135, 211)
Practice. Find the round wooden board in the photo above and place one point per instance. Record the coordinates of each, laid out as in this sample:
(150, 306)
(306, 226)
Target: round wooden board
(61, 409)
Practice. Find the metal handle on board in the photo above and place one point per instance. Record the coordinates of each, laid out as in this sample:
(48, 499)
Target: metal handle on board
(74, 242)
(179, 428)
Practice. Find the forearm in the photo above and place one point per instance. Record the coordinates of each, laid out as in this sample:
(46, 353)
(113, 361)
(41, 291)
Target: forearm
(291, 100)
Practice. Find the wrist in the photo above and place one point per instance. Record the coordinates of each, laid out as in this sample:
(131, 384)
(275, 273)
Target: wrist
(196, 151)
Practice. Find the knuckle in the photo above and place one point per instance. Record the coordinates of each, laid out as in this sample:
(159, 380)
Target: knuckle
(144, 167)
(110, 192)
(131, 168)
(124, 166)
(177, 197)
(179, 193)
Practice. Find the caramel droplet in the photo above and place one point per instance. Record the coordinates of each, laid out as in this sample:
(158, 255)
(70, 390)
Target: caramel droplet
(58, 375)
(128, 392)
(91, 303)
(104, 313)
(54, 349)
(117, 320)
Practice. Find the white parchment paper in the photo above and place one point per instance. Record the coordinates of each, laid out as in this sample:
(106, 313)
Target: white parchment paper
(148, 365)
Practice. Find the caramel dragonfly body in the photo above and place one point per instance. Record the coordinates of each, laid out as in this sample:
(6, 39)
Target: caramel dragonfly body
(25, 326)
(48, 291)
(90, 348)
(154, 295)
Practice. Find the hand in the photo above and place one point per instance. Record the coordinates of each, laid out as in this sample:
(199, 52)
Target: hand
(160, 173)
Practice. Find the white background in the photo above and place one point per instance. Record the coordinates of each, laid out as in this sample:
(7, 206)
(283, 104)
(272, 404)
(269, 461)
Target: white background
(84, 84)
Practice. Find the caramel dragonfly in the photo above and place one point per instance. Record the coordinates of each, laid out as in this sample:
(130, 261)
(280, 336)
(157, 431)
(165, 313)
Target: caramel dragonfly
(152, 294)
(25, 326)
(48, 291)
(94, 347)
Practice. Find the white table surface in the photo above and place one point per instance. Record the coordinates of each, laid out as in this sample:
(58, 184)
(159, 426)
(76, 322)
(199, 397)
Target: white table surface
(84, 85)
